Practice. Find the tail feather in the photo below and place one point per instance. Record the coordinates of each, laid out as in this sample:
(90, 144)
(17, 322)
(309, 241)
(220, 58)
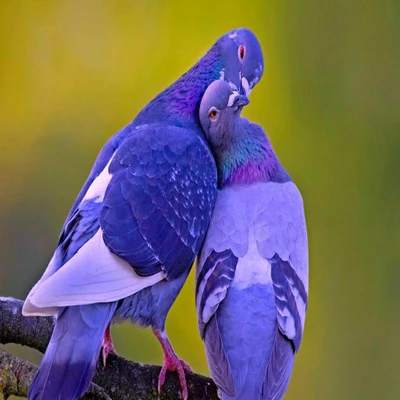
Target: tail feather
(275, 381)
(70, 360)
(279, 369)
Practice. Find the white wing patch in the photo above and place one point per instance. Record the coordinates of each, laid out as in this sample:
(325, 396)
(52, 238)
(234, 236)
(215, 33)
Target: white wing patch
(93, 275)
(252, 269)
(98, 188)
(28, 308)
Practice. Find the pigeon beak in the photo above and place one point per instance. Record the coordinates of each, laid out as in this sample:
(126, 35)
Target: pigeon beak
(240, 101)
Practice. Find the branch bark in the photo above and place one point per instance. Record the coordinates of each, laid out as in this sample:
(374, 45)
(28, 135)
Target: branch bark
(120, 379)
(16, 375)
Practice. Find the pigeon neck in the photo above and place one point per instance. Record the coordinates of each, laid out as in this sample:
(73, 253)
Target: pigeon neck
(179, 104)
(249, 158)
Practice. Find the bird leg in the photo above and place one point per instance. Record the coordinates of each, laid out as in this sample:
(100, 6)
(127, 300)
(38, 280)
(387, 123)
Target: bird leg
(108, 346)
(171, 363)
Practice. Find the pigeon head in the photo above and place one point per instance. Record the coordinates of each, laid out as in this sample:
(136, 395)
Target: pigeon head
(241, 149)
(236, 58)
(219, 112)
(242, 59)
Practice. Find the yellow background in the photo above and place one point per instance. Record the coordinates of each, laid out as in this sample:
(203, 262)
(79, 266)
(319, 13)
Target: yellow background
(73, 72)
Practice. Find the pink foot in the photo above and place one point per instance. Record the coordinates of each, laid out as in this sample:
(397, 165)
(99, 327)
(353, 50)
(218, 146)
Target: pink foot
(108, 347)
(172, 363)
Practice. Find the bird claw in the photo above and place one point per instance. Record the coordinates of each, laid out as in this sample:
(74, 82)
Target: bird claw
(173, 363)
(108, 347)
(186, 366)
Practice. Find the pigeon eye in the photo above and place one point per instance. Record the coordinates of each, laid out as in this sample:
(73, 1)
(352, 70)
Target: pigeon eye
(213, 114)
(241, 52)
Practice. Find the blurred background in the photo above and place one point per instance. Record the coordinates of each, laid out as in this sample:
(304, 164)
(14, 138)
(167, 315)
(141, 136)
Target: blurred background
(72, 73)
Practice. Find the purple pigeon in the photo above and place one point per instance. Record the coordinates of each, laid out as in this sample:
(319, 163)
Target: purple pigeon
(128, 243)
(252, 273)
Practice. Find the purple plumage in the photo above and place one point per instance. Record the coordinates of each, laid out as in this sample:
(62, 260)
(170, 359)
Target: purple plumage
(252, 276)
(71, 356)
(130, 239)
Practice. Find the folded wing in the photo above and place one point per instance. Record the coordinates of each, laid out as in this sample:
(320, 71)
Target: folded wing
(214, 279)
(141, 220)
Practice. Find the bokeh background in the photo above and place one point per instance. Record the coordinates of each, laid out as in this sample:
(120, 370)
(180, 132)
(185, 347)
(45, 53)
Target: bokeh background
(72, 73)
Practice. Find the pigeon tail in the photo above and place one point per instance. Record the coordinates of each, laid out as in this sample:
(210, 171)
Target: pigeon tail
(71, 357)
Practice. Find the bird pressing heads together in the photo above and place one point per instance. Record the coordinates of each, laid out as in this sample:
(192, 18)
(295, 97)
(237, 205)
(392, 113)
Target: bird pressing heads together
(220, 110)
(242, 52)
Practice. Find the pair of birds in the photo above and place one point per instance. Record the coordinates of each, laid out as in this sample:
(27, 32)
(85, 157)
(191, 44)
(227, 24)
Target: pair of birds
(188, 174)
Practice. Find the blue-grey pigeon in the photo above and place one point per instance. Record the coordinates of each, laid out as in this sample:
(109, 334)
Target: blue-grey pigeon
(252, 272)
(129, 241)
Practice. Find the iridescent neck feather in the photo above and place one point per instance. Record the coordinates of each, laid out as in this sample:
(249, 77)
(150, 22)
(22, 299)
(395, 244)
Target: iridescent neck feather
(248, 158)
(179, 104)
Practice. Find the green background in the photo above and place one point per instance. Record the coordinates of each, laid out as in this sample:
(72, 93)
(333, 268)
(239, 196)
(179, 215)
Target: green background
(72, 73)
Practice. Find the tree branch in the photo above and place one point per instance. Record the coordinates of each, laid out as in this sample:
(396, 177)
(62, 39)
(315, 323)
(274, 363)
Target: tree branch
(120, 379)
(16, 375)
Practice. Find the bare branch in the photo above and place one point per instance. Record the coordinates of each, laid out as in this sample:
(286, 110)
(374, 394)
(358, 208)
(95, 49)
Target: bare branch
(16, 375)
(120, 379)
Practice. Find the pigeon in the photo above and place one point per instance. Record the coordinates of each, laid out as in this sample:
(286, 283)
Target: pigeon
(252, 271)
(130, 238)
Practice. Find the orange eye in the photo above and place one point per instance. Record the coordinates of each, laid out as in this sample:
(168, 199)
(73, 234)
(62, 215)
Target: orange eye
(241, 52)
(213, 113)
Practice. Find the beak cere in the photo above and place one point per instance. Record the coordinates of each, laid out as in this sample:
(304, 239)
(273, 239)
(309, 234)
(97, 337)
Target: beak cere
(232, 98)
(245, 86)
(237, 100)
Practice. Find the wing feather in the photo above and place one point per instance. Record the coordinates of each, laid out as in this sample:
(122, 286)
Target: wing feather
(133, 224)
(164, 181)
(214, 278)
(93, 275)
